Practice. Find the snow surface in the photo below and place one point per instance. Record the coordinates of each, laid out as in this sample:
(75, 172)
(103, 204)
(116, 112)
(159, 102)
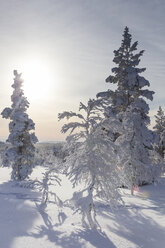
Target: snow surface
(138, 224)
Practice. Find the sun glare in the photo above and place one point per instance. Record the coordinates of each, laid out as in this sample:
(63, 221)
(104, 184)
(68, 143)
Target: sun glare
(37, 80)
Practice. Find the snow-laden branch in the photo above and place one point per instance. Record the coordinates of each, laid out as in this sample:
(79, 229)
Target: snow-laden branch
(68, 115)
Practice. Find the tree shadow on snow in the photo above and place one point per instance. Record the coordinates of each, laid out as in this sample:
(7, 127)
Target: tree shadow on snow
(140, 224)
(17, 213)
(139, 229)
(76, 239)
(97, 238)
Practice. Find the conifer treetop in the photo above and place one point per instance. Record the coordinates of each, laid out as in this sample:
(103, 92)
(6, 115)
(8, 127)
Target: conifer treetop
(126, 76)
(160, 131)
(160, 121)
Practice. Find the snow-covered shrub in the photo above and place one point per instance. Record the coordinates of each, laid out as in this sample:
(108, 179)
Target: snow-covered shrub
(20, 154)
(91, 161)
(49, 181)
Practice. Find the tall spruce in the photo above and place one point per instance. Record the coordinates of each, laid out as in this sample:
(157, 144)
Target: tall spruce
(126, 76)
(128, 104)
(160, 130)
(20, 153)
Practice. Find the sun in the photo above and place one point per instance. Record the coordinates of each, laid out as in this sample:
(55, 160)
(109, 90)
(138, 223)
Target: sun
(37, 80)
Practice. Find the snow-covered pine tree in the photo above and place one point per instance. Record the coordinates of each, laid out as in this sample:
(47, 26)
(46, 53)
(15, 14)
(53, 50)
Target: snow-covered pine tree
(160, 130)
(91, 161)
(20, 153)
(128, 103)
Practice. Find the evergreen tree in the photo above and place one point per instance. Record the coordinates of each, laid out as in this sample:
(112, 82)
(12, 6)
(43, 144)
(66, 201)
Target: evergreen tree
(91, 161)
(160, 130)
(135, 158)
(128, 104)
(21, 151)
(126, 77)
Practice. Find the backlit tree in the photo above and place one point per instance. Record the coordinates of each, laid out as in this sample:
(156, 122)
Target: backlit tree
(20, 153)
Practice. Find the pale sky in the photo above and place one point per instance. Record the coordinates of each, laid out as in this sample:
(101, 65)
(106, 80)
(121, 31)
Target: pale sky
(64, 48)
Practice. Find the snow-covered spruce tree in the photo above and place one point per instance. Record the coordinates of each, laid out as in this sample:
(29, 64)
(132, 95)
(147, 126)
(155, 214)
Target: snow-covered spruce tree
(135, 158)
(126, 76)
(128, 103)
(20, 153)
(91, 161)
(160, 130)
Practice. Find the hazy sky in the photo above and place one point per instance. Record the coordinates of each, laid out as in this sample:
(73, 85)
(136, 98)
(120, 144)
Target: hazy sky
(65, 50)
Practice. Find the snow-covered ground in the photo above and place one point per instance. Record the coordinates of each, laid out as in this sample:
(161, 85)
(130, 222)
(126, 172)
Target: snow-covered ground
(138, 224)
